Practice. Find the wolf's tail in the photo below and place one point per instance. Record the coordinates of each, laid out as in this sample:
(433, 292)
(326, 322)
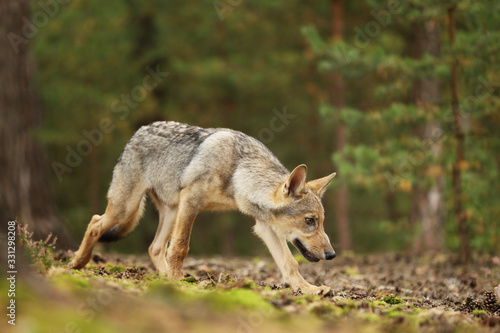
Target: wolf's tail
(126, 198)
(126, 225)
(114, 234)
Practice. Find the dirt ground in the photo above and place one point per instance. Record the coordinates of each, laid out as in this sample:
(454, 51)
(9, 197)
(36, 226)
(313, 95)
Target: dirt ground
(435, 280)
(383, 292)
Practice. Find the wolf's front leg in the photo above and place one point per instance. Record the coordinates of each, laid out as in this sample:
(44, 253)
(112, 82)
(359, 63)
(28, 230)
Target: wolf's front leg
(284, 259)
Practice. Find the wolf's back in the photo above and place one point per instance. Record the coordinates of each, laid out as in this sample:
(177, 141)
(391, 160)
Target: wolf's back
(161, 151)
(167, 142)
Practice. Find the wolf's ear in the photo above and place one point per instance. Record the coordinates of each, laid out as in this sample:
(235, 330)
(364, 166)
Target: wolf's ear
(319, 185)
(295, 185)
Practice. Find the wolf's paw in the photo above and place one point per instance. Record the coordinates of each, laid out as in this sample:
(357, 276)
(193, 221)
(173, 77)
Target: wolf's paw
(74, 264)
(175, 275)
(324, 291)
(78, 261)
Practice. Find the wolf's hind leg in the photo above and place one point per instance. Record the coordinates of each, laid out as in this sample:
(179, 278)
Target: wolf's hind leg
(158, 248)
(97, 226)
(126, 214)
(179, 243)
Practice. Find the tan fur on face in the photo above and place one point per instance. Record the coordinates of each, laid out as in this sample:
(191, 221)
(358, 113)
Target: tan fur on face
(290, 221)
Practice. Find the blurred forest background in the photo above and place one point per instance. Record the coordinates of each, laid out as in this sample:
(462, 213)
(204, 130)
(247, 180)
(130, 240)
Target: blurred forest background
(400, 98)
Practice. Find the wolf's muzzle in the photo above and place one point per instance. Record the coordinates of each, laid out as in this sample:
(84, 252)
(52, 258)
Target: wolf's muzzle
(304, 251)
(330, 255)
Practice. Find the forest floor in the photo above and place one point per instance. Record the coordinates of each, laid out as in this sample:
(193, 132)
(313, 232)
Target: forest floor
(371, 293)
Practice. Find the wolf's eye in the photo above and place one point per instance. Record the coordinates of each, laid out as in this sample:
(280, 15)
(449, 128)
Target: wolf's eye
(310, 221)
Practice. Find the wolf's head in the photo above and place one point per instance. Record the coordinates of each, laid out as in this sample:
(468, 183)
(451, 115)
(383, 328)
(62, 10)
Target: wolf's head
(299, 214)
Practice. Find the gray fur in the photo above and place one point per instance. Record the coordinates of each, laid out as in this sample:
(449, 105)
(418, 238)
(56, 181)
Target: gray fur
(169, 156)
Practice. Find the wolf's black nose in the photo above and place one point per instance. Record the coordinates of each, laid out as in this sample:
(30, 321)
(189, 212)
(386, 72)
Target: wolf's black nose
(330, 255)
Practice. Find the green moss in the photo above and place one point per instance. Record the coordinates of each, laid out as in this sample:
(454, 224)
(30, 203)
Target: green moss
(326, 310)
(69, 320)
(369, 317)
(78, 312)
(227, 278)
(308, 297)
(376, 304)
(405, 315)
(395, 309)
(417, 311)
(71, 282)
(162, 288)
(413, 319)
(189, 279)
(394, 314)
(248, 284)
(347, 305)
(237, 298)
(352, 271)
(77, 272)
(154, 277)
(300, 301)
(391, 299)
(233, 299)
(479, 313)
(113, 269)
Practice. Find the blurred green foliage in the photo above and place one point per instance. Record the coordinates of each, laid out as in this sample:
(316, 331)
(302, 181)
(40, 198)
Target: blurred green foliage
(235, 66)
(384, 154)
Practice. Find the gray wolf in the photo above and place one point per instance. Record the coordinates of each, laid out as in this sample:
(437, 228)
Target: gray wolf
(186, 169)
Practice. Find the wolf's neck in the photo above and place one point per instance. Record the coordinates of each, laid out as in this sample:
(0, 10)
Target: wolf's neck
(255, 192)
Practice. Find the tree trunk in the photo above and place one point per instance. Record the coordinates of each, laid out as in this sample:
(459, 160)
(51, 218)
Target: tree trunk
(390, 203)
(94, 181)
(342, 196)
(460, 216)
(429, 202)
(24, 185)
